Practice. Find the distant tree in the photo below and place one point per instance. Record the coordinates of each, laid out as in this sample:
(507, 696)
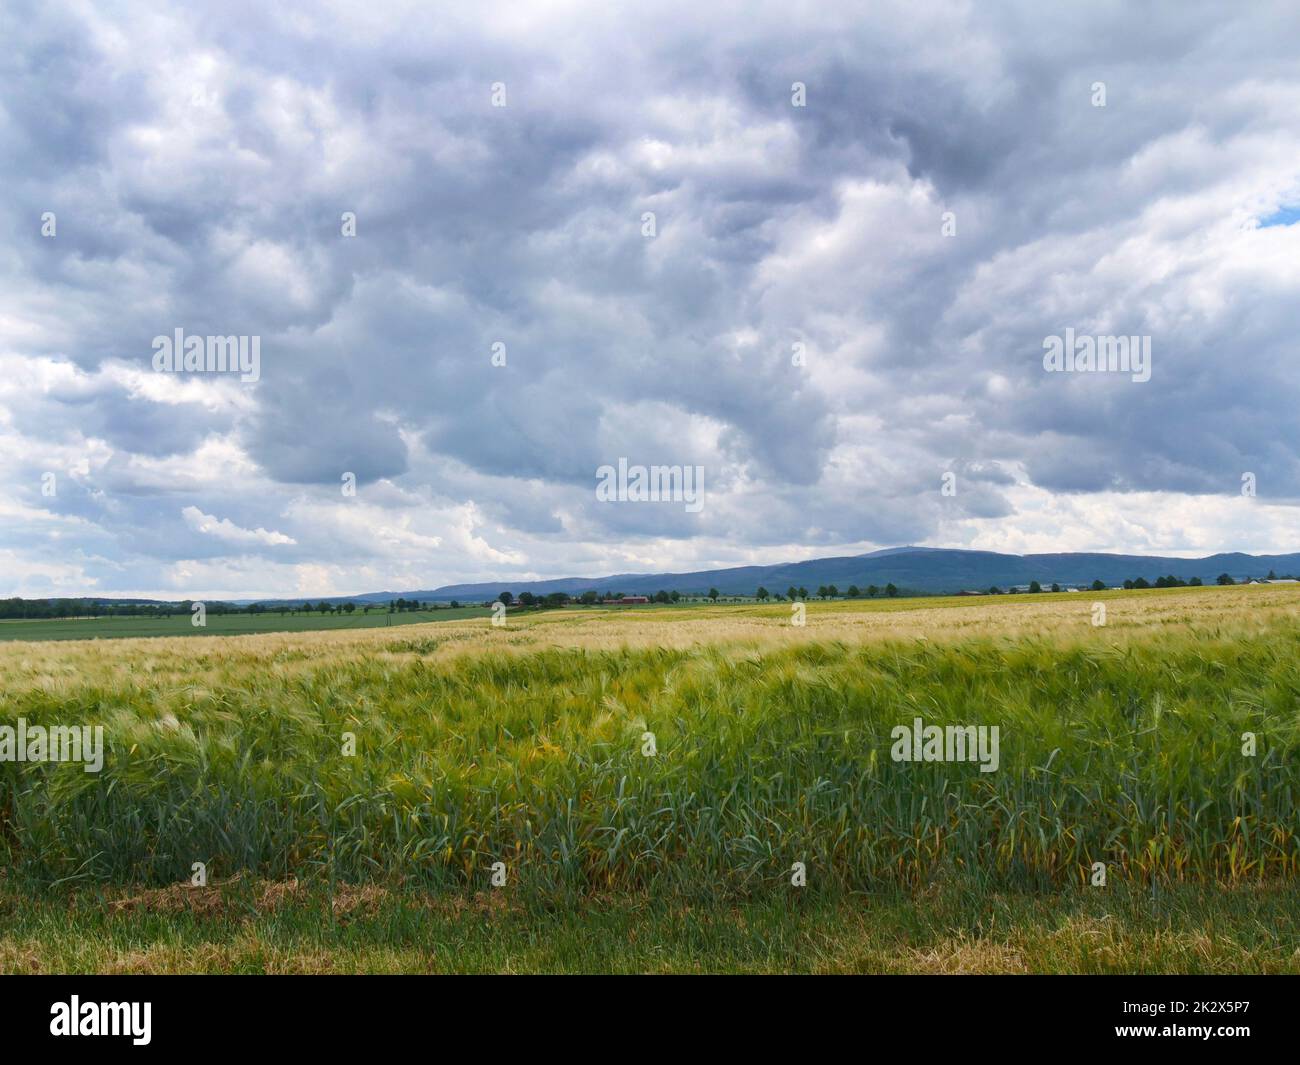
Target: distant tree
(890, 590)
(527, 599)
(832, 591)
(349, 607)
(323, 607)
(1141, 582)
(792, 593)
(506, 597)
(588, 598)
(1195, 582)
(821, 591)
(1272, 576)
(803, 592)
(1055, 587)
(1097, 586)
(872, 591)
(675, 596)
(1035, 587)
(762, 594)
(661, 597)
(995, 590)
(1225, 579)
(455, 604)
(713, 594)
(853, 592)
(1128, 584)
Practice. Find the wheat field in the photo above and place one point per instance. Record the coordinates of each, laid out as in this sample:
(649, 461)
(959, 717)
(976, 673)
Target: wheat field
(687, 757)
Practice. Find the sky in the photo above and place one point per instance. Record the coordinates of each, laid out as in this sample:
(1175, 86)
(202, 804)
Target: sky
(813, 250)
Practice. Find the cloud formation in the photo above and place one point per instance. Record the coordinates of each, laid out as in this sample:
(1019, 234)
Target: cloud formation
(225, 529)
(648, 253)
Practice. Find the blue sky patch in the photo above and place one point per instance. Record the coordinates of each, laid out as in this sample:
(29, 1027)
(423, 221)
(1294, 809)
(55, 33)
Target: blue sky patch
(1284, 216)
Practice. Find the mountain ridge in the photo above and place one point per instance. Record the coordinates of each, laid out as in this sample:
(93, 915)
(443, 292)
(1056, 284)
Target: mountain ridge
(919, 569)
(926, 570)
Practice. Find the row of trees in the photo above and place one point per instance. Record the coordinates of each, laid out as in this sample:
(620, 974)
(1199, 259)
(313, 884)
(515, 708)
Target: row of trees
(1174, 582)
(400, 605)
(588, 598)
(81, 608)
(45, 609)
(825, 591)
(1100, 586)
(1177, 582)
(1141, 582)
(48, 609)
(1035, 587)
(1225, 579)
(528, 599)
(393, 606)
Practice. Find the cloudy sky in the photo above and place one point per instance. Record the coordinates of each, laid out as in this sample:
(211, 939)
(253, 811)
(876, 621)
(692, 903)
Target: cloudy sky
(950, 194)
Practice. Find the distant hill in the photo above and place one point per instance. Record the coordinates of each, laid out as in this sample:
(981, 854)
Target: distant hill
(928, 570)
(915, 569)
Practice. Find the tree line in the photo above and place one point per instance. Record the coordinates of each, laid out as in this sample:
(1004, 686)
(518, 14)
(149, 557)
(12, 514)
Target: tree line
(590, 597)
(50, 609)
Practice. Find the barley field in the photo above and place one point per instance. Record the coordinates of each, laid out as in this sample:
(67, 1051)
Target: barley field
(610, 779)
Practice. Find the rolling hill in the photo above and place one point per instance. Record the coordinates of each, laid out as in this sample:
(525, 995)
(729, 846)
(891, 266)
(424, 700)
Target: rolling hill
(916, 569)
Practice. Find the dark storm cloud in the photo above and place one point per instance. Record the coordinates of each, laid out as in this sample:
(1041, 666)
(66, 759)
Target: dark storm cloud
(200, 162)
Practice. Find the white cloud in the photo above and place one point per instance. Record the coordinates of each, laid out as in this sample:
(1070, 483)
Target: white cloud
(202, 165)
(225, 529)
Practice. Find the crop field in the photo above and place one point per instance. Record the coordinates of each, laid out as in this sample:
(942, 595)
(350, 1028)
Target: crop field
(117, 628)
(704, 788)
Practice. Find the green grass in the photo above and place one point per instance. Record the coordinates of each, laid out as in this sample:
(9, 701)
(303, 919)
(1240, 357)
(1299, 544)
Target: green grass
(256, 928)
(220, 624)
(476, 746)
(1128, 757)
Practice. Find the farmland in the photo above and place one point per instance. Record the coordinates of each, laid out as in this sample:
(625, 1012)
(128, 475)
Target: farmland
(181, 624)
(641, 785)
